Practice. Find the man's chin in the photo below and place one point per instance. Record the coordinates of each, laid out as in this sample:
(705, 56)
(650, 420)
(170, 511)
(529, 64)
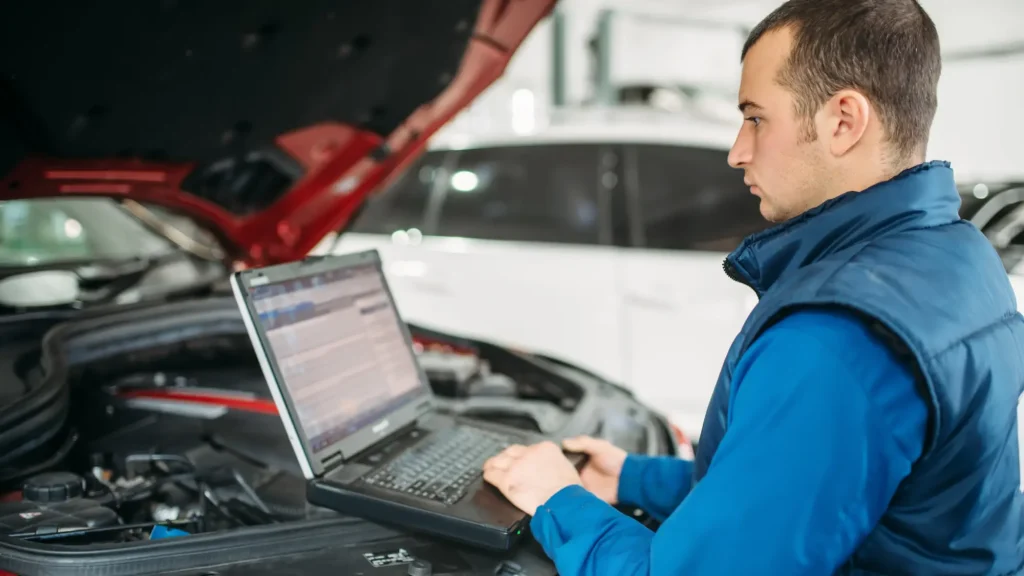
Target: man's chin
(769, 213)
(775, 214)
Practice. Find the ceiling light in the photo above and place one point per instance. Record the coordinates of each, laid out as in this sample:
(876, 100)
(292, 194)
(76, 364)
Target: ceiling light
(465, 181)
(72, 228)
(523, 113)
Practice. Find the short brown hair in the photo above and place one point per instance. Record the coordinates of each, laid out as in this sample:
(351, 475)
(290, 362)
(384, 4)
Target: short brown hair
(887, 49)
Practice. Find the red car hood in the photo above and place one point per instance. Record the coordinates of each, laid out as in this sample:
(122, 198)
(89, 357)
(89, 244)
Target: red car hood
(269, 122)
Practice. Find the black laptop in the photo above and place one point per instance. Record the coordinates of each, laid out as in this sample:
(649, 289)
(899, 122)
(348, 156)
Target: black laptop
(359, 410)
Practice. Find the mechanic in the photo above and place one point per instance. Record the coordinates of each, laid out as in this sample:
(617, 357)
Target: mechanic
(865, 417)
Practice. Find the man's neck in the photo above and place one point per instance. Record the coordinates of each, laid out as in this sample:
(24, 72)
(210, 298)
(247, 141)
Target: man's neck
(863, 177)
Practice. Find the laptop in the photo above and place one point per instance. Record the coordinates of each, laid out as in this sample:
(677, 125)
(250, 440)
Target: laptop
(358, 409)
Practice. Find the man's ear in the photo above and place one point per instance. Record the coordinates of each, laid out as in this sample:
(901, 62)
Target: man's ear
(846, 118)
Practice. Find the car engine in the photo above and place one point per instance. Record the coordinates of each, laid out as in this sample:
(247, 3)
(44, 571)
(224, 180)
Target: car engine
(170, 431)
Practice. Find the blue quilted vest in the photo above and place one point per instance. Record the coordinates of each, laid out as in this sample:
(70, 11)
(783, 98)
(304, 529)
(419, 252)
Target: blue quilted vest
(930, 284)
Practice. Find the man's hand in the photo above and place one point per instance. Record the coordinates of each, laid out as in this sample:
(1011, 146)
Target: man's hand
(601, 473)
(530, 475)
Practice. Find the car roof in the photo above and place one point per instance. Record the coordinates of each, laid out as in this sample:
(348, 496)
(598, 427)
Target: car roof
(634, 125)
(713, 127)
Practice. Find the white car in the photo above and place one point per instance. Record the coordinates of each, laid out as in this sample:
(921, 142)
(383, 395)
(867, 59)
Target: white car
(598, 240)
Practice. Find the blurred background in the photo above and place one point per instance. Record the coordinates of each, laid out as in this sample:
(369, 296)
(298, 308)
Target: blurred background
(604, 52)
(582, 206)
(588, 192)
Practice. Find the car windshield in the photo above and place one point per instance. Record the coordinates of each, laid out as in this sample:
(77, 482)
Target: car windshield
(38, 232)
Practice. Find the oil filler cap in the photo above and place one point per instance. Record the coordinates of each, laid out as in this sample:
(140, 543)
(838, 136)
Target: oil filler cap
(53, 487)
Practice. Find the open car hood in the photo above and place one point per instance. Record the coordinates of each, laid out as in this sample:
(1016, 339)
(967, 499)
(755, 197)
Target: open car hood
(268, 122)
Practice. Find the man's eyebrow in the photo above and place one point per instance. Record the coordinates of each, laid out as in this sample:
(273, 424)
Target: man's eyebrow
(749, 104)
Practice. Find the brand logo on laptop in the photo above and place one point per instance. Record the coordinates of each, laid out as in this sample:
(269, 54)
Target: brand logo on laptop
(380, 426)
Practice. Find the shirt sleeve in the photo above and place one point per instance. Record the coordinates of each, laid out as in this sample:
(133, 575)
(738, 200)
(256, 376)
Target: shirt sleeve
(824, 424)
(656, 484)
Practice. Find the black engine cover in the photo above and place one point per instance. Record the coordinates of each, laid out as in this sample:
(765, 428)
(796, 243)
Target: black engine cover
(37, 518)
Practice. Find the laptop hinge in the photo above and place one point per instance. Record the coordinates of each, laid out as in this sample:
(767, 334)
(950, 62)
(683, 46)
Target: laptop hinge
(332, 461)
(335, 460)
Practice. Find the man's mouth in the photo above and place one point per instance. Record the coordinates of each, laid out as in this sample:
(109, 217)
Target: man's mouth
(754, 188)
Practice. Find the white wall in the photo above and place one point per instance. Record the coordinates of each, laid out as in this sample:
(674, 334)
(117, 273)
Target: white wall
(978, 126)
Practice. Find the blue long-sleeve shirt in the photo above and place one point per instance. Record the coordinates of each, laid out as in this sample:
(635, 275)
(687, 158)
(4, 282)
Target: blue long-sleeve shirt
(824, 424)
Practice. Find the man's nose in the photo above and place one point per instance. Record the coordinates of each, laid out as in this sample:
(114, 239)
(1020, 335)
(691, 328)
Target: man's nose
(742, 150)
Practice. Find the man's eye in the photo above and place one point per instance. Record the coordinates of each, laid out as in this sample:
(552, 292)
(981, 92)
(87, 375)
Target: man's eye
(755, 120)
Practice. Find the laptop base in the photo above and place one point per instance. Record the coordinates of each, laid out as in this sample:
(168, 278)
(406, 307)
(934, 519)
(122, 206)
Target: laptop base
(482, 517)
(447, 525)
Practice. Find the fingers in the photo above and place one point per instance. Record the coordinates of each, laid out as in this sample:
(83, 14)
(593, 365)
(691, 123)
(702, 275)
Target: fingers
(496, 468)
(495, 476)
(499, 462)
(515, 450)
(585, 444)
(504, 459)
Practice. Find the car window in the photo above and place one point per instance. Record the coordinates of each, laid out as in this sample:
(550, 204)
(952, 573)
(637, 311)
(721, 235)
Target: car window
(42, 231)
(401, 205)
(691, 199)
(536, 193)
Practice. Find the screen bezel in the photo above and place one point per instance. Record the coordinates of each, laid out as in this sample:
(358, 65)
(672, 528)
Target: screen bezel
(363, 438)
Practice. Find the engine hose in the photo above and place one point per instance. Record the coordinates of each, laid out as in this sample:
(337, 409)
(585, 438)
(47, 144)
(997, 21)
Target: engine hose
(250, 492)
(16, 476)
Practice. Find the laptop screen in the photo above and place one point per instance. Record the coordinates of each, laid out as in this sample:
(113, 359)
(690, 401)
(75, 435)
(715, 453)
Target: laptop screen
(340, 350)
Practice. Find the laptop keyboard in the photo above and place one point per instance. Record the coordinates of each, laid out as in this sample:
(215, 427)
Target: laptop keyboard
(443, 466)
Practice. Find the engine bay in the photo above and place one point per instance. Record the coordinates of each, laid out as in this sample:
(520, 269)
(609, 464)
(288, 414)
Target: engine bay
(149, 466)
(170, 431)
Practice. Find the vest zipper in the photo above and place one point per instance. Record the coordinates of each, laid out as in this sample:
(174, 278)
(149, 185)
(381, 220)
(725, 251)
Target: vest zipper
(734, 274)
(731, 272)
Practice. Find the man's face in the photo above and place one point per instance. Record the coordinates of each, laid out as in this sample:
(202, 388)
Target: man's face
(784, 167)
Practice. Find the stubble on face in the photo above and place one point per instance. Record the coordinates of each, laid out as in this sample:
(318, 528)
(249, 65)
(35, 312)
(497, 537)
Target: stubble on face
(784, 157)
(801, 186)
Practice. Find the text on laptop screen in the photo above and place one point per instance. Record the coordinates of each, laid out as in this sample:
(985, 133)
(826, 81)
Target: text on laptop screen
(340, 350)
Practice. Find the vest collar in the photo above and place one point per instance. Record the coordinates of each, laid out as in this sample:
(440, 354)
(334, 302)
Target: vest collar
(919, 197)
